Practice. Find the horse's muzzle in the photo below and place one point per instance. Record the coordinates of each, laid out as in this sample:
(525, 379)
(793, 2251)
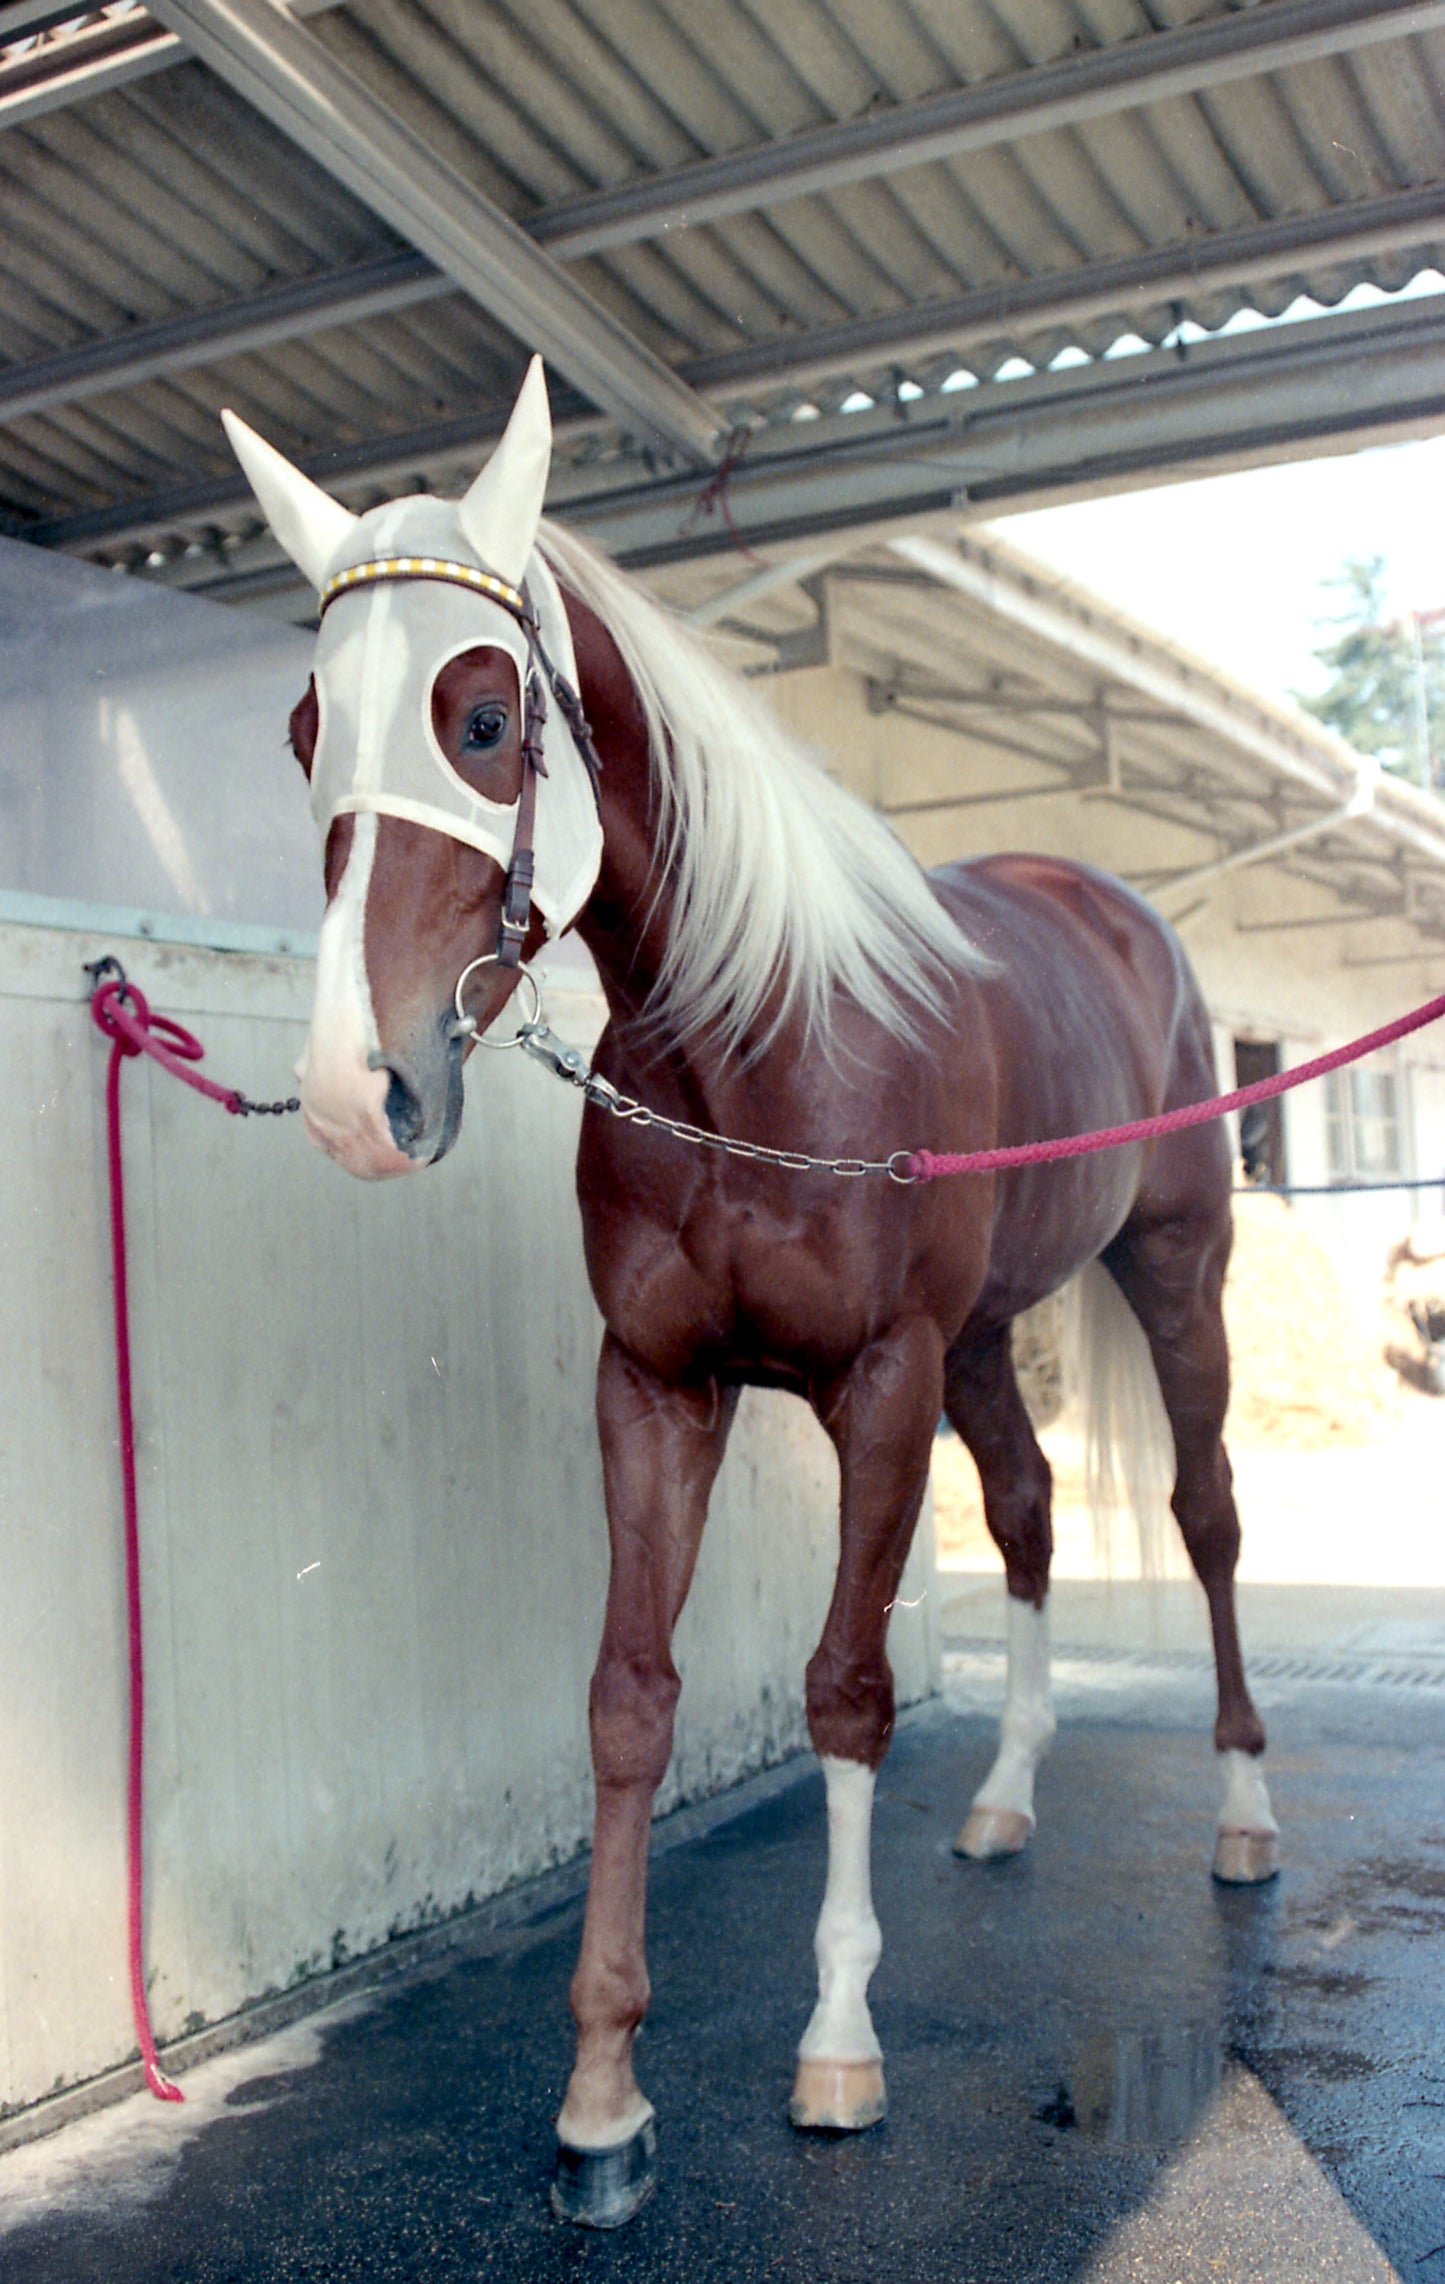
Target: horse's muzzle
(387, 1111)
(423, 1108)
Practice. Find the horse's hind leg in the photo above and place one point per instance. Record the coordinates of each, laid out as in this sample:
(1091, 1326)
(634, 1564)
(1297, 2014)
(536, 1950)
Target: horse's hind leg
(982, 1400)
(1171, 1272)
(881, 1414)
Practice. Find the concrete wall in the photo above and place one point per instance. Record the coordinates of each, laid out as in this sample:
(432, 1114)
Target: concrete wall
(142, 754)
(373, 1535)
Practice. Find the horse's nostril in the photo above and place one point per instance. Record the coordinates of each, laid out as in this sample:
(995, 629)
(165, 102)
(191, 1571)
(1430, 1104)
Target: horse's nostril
(403, 1112)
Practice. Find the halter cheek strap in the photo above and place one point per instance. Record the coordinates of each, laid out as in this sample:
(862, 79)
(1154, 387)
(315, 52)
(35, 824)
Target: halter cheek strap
(517, 889)
(516, 915)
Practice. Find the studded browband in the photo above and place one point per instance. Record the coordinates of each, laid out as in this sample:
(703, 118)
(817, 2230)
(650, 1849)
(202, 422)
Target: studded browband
(387, 567)
(516, 915)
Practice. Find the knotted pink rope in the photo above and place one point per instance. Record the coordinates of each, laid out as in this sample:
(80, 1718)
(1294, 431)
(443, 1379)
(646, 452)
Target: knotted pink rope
(927, 1165)
(123, 1014)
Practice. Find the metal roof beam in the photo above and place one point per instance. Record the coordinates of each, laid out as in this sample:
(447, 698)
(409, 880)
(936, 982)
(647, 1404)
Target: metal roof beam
(23, 19)
(1147, 69)
(790, 571)
(1361, 801)
(356, 293)
(1151, 673)
(1372, 916)
(1394, 959)
(1096, 289)
(346, 296)
(1155, 66)
(949, 804)
(287, 75)
(90, 61)
(1330, 385)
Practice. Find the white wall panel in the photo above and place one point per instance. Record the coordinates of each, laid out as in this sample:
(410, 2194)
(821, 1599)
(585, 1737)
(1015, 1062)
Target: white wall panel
(372, 1521)
(142, 754)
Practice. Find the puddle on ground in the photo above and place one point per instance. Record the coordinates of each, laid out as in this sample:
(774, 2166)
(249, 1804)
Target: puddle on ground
(1138, 2088)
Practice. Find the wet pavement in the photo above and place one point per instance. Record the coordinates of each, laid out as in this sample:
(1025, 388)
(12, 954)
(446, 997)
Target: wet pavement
(1101, 2066)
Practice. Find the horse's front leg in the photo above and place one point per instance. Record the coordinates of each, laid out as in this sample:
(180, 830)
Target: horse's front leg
(881, 1415)
(661, 1450)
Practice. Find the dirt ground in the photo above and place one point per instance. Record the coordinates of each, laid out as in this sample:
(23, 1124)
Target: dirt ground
(1337, 1459)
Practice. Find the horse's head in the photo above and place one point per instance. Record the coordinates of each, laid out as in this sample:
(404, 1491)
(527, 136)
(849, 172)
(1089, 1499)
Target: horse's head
(442, 771)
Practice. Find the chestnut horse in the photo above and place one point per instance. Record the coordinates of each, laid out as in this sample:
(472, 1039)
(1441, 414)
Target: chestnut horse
(775, 969)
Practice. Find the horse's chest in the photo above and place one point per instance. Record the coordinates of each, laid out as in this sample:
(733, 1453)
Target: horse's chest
(736, 1286)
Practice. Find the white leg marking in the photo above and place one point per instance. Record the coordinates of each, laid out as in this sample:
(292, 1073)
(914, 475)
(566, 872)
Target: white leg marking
(1027, 1728)
(848, 1943)
(1246, 1845)
(1245, 1806)
(343, 1099)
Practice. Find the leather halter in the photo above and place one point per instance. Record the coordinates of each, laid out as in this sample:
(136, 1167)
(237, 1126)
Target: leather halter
(516, 914)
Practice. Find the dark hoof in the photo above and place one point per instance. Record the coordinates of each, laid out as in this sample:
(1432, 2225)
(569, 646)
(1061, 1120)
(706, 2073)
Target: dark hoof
(603, 2188)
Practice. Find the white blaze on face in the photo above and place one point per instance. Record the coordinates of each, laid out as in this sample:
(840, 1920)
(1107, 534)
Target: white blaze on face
(343, 1097)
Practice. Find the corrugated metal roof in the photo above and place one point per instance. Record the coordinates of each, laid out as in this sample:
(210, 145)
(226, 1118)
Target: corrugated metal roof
(167, 199)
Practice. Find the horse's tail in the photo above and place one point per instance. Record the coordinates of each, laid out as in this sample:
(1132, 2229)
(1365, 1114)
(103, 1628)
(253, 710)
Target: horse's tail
(1128, 1446)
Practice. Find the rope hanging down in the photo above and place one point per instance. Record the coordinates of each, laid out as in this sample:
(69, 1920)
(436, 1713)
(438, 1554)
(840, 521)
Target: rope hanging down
(121, 1012)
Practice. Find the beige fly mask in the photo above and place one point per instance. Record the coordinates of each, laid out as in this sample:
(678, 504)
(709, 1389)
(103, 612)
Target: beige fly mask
(404, 589)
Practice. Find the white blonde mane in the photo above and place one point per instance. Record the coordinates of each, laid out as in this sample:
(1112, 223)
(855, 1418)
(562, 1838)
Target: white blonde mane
(779, 876)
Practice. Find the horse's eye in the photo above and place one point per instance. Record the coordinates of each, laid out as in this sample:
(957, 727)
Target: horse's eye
(485, 727)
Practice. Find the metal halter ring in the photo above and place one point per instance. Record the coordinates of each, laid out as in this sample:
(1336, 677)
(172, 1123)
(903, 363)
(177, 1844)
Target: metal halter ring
(466, 1025)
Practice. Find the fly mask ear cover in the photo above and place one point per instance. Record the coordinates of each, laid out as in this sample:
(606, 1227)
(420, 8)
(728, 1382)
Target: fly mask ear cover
(384, 641)
(380, 650)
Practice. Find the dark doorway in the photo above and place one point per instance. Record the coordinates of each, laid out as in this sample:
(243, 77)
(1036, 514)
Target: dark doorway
(1261, 1127)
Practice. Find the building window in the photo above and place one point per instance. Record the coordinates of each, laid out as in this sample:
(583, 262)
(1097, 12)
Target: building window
(1362, 1123)
(1261, 1127)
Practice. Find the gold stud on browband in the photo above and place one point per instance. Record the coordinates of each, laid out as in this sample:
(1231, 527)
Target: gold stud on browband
(425, 567)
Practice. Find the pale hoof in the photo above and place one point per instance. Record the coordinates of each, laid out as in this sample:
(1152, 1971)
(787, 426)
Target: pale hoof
(837, 2097)
(603, 2188)
(991, 1832)
(1245, 1859)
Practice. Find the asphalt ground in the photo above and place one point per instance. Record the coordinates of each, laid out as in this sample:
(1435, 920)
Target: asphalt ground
(1101, 2065)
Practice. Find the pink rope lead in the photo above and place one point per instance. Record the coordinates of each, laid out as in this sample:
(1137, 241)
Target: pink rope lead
(927, 1165)
(124, 1015)
(134, 1031)
(132, 1028)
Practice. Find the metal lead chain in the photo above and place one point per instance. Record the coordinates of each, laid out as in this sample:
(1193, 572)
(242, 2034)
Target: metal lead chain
(245, 1108)
(543, 1045)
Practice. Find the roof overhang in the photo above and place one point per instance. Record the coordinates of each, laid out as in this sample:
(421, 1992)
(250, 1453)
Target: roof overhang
(706, 312)
(1051, 698)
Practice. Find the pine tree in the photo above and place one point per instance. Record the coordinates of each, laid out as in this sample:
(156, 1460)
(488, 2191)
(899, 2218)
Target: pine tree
(1387, 692)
